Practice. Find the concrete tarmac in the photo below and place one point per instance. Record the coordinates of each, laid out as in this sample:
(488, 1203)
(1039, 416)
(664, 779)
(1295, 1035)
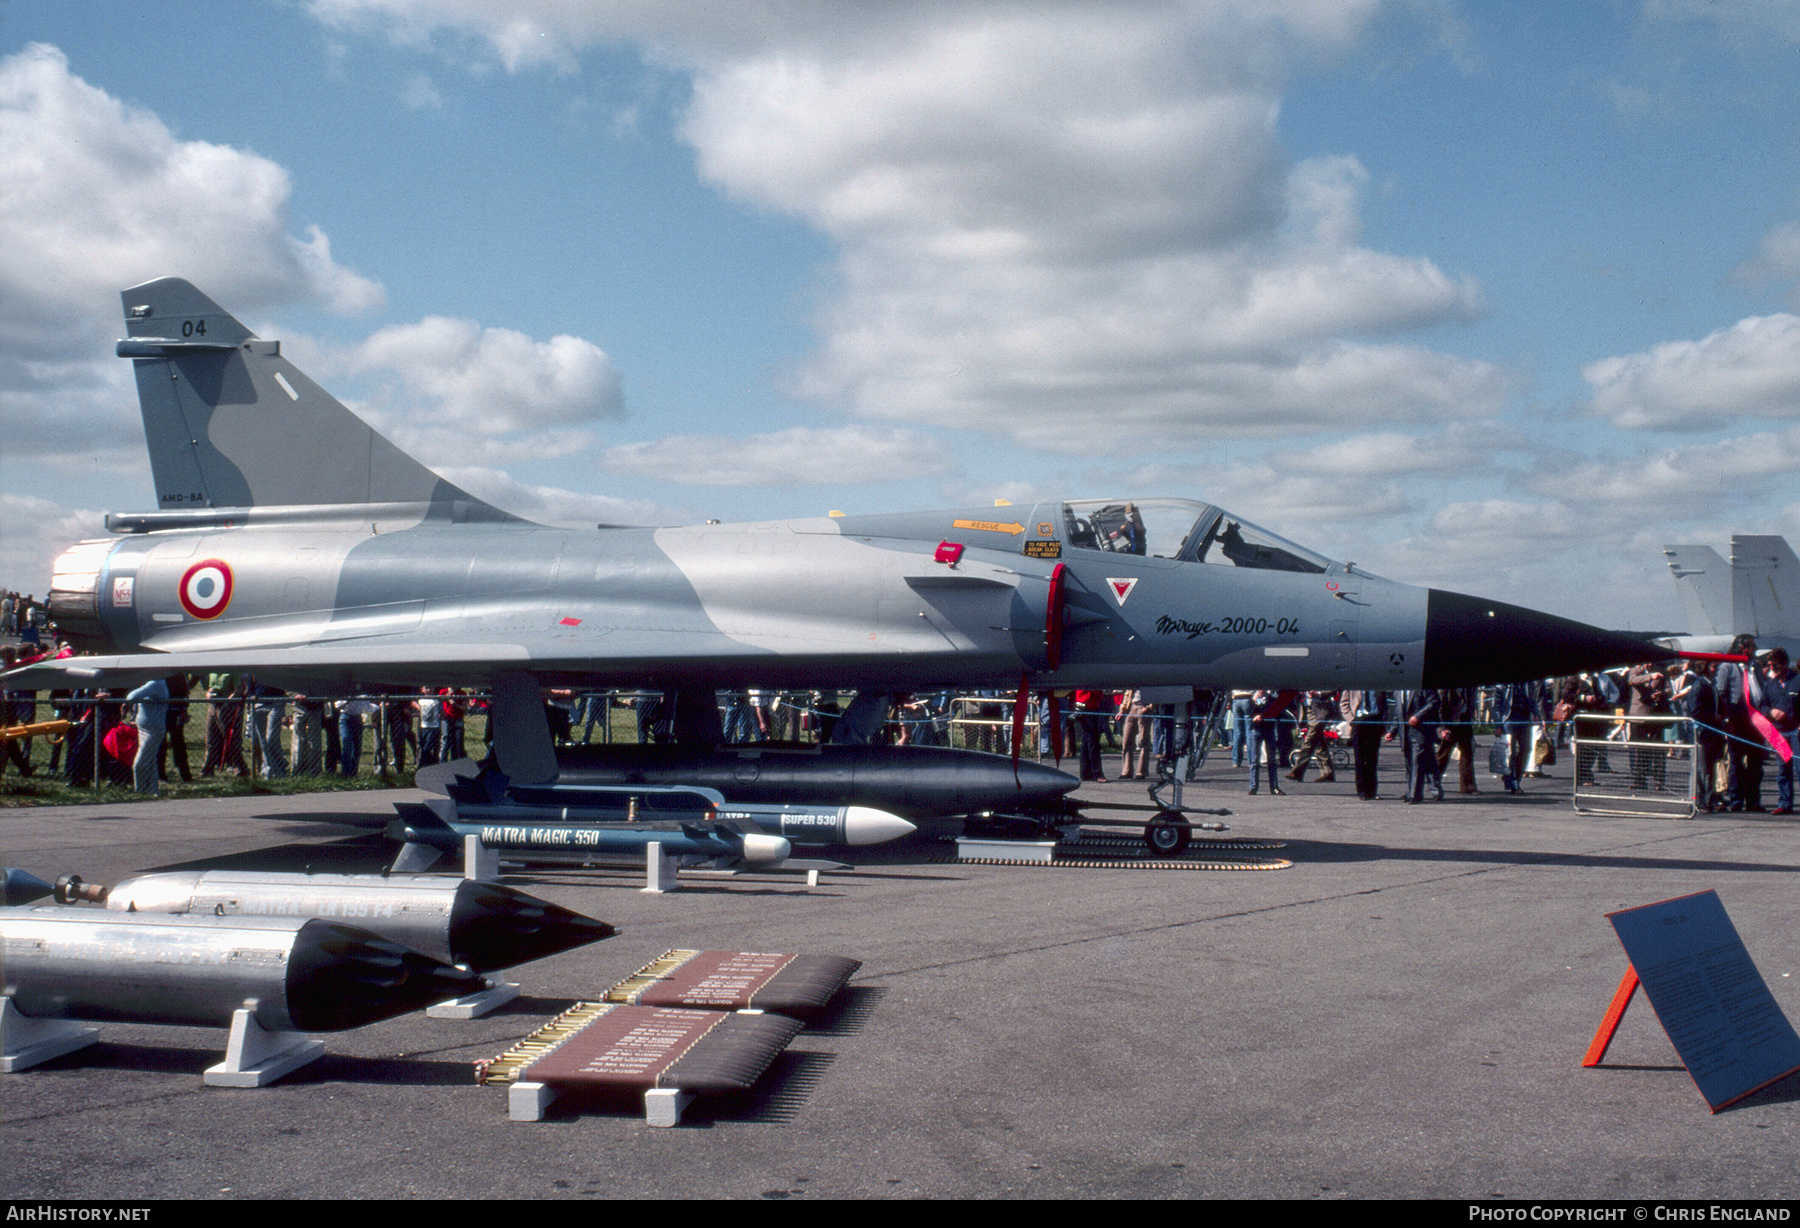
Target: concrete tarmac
(1402, 1013)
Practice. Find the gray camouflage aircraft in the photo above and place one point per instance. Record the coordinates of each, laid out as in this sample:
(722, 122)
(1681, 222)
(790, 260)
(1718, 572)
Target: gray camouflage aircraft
(292, 541)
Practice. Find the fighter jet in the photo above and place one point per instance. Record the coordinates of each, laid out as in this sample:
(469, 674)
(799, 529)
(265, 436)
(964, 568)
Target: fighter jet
(293, 541)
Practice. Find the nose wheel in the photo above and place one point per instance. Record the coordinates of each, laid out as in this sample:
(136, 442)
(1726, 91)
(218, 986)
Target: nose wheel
(1168, 834)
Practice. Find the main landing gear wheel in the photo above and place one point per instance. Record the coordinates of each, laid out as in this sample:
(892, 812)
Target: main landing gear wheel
(1168, 834)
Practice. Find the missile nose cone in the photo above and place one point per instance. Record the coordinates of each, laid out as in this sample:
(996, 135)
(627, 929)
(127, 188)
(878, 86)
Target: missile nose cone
(494, 926)
(1470, 641)
(761, 848)
(342, 977)
(21, 887)
(1041, 780)
(866, 825)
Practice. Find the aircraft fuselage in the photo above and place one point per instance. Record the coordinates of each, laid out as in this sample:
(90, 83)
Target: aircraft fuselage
(803, 603)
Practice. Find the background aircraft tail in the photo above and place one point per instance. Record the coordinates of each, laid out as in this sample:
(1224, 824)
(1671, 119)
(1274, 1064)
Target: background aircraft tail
(231, 423)
(1705, 583)
(1765, 588)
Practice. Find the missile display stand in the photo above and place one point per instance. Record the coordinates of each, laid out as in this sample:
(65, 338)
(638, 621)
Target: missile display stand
(26, 1042)
(256, 1057)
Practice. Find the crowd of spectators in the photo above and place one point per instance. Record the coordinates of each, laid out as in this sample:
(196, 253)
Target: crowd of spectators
(1734, 717)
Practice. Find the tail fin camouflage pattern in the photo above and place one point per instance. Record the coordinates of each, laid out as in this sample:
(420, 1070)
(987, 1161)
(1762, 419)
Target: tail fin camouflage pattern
(231, 423)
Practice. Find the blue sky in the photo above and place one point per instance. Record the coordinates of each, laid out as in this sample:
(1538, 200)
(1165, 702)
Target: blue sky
(1497, 297)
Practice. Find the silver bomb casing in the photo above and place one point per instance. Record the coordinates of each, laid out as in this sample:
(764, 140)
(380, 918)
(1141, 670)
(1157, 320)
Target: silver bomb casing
(294, 974)
(483, 926)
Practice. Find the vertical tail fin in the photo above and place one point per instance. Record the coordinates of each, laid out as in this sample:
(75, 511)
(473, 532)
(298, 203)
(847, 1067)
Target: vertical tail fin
(231, 423)
(1704, 581)
(1765, 586)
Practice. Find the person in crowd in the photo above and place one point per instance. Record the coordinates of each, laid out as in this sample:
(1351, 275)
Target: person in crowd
(152, 720)
(1268, 710)
(1419, 712)
(1367, 712)
(1321, 715)
(1456, 734)
(1781, 697)
(1740, 690)
(1516, 713)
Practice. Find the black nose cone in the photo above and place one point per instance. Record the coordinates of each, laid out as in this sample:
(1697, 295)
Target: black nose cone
(1471, 641)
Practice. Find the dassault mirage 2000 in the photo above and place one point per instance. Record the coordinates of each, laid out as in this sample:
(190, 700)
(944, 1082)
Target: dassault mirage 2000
(291, 540)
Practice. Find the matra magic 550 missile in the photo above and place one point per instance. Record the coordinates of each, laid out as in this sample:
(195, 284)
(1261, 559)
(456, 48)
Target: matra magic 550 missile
(483, 795)
(534, 834)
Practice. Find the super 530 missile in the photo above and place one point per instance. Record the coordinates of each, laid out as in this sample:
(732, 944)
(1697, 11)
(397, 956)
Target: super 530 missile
(295, 974)
(912, 782)
(481, 926)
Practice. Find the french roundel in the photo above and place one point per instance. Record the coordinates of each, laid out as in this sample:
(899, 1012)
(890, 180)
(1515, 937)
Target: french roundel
(206, 588)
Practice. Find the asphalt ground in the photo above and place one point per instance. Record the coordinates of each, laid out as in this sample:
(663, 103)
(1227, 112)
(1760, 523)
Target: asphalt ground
(1402, 1013)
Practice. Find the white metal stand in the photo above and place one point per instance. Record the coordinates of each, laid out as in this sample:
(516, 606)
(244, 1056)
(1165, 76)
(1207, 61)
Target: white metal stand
(1006, 850)
(26, 1042)
(663, 1106)
(659, 870)
(528, 1101)
(475, 1005)
(480, 863)
(256, 1058)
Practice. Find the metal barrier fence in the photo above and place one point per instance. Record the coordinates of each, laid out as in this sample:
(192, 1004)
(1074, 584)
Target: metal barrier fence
(1641, 766)
(269, 738)
(380, 735)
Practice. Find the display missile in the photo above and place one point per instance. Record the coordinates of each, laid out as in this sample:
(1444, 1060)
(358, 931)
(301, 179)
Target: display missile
(482, 926)
(295, 974)
(442, 824)
(629, 804)
(487, 796)
(911, 782)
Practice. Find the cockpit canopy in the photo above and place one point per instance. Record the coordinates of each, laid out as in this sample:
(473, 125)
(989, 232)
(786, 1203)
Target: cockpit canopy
(1185, 530)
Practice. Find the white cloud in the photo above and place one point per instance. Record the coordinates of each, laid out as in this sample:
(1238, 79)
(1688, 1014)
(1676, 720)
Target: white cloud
(96, 195)
(1749, 20)
(490, 381)
(1048, 216)
(799, 456)
(555, 506)
(33, 532)
(1455, 449)
(1279, 492)
(419, 93)
(1684, 481)
(1506, 524)
(1777, 258)
(1749, 369)
(77, 411)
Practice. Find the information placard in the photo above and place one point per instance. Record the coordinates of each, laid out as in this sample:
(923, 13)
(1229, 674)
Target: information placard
(1711, 1000)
